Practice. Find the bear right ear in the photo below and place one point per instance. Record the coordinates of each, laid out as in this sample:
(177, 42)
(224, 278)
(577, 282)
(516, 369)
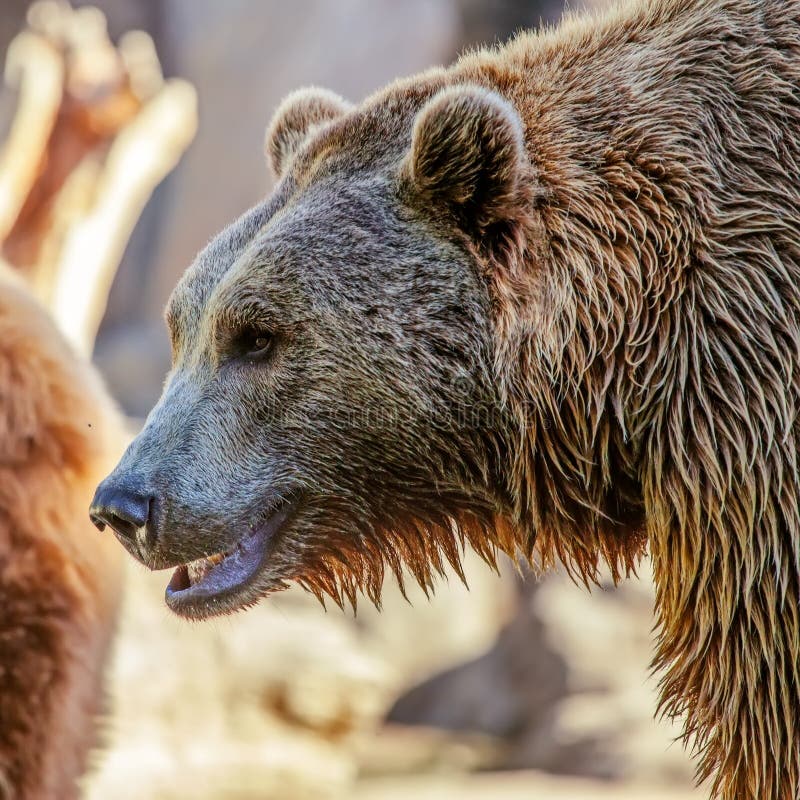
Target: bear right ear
(468, 157)
(301, 112)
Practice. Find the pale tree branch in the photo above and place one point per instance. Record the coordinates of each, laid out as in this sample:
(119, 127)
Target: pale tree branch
(142, 155)
(96, 129)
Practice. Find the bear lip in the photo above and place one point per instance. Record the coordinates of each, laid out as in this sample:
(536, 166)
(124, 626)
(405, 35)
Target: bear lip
(215, 584)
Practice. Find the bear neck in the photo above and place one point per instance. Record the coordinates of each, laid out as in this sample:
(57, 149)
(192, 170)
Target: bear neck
(646, 315)
(618, 185)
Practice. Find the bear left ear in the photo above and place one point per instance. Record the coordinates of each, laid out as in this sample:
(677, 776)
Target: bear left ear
(295, 118)
(468, 155)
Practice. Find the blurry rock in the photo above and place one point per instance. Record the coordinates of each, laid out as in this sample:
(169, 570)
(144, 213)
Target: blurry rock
(605, 636)
(423, 635)
(565, 687)
(513, 786)
(410, 751)
(518, 680)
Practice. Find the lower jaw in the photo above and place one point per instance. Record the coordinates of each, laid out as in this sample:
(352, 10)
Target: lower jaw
(213, 605)
(235, 582)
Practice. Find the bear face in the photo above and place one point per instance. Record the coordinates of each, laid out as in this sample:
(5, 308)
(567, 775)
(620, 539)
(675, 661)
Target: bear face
(332, 407)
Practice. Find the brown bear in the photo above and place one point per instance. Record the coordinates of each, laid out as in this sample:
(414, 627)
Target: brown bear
(59, 581)
(547, 301)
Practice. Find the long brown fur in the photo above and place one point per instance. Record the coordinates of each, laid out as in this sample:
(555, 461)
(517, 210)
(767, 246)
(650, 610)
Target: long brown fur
(59, 581)
(647, 315)
(664, 357)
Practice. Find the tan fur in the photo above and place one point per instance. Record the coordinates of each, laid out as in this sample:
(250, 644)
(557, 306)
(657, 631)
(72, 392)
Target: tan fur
(59, 580)
(303, 110)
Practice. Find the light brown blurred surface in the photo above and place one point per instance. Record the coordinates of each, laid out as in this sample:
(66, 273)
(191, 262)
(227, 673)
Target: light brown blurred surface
(286, 701)
(514, 786)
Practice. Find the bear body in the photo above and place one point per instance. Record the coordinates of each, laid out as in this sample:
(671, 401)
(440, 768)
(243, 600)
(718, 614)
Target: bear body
(545, 300)
(59, 582)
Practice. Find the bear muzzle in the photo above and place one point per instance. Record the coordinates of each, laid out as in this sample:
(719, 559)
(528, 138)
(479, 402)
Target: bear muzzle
(131, 516)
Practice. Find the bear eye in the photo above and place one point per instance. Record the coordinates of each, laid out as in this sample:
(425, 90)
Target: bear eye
(254, 344)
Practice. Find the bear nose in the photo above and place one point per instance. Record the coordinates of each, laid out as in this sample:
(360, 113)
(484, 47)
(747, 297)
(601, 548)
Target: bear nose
(125, 511)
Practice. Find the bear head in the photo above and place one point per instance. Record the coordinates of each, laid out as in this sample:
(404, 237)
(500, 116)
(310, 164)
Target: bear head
(333, 407)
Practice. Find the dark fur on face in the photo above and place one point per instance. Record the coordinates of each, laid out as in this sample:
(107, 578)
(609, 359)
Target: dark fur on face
(544, 301)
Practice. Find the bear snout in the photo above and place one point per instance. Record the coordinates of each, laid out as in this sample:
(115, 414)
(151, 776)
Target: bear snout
(129, 513)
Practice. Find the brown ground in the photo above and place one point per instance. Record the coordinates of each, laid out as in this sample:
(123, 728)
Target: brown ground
(285, 702)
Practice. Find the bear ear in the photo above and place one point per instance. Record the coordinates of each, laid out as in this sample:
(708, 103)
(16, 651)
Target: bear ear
(295, 118)
(468, 155)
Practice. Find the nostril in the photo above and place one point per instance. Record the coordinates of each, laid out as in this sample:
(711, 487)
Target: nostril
(121, 526)
(98, 522)
(125, 511)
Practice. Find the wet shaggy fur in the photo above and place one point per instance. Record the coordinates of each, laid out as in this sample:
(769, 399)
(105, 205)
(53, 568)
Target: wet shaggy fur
(545, 301)
(59, 582)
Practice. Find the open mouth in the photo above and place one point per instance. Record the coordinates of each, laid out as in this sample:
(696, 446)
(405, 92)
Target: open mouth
(224, 581)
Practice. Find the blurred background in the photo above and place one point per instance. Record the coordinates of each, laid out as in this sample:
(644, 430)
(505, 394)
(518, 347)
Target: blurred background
(518, 688)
